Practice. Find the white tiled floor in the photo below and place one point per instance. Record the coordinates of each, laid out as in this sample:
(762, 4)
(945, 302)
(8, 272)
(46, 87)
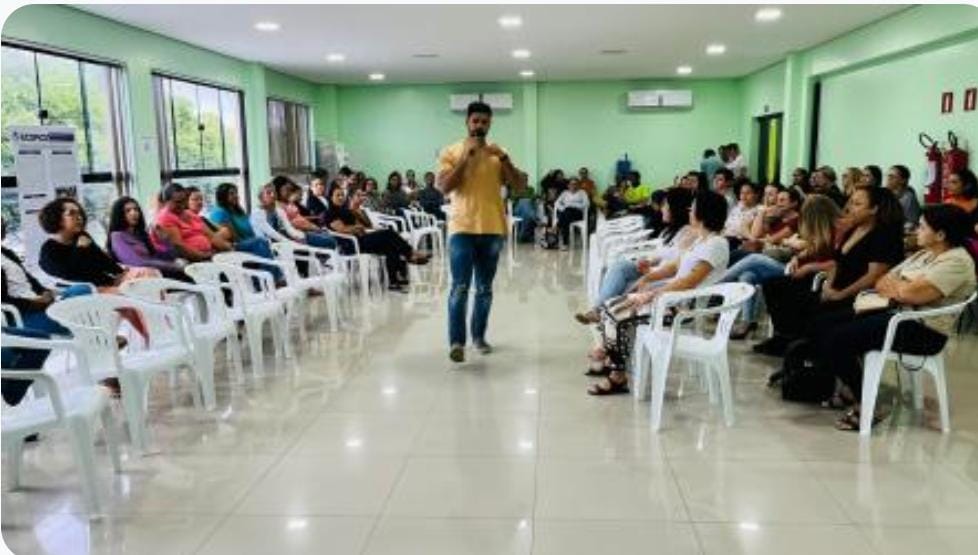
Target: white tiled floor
(375, 443)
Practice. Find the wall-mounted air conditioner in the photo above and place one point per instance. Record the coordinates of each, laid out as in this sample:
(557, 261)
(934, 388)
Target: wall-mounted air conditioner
(662, 98)
(497, 101)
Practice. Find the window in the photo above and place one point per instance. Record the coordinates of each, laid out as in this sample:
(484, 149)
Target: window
(289, 150)
(46, 87)
(201, 137)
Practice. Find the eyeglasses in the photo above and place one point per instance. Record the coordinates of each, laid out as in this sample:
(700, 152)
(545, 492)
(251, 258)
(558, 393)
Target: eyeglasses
(71, 213)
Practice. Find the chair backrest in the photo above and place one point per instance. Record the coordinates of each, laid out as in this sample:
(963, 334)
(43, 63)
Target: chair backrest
(252, 285)
(164, 324)
(201, 303)
(51, 385)
(221, 276)
(733, 296)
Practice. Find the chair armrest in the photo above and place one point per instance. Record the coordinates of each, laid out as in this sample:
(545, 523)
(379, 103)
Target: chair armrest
(14, 314)
(917, 315)
(67, 345)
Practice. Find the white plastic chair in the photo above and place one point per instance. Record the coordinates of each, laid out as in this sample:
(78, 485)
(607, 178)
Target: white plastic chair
(874, 362)
(709, 353)
(325, 273)
(210, 324)
(253, 303)
(74, 409)
(422, 225)
(10, 312)
(94, 321)
(293, 295)
(580, 228)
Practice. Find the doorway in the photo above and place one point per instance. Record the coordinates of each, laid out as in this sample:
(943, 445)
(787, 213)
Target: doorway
(770, 130)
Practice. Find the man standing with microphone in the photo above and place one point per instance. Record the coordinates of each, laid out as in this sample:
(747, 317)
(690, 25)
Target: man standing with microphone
(473, 172)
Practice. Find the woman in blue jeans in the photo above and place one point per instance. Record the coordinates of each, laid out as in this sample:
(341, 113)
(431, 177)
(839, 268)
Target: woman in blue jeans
(819, 219)
(623, 275)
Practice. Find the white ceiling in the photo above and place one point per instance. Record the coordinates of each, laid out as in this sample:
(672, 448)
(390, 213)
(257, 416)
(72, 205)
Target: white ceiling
(565, 40)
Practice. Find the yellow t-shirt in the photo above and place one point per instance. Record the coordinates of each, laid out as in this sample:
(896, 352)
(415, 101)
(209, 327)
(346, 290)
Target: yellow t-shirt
(477, 203)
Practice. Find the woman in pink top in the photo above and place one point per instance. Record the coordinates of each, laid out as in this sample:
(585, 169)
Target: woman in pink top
(185, 231)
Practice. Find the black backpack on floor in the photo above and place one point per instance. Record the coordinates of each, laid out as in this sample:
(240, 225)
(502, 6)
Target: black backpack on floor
(550, 239)
(802, 380)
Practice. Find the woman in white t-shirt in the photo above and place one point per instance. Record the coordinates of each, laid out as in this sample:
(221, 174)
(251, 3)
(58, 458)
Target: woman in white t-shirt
(703, 264)
(570, 207)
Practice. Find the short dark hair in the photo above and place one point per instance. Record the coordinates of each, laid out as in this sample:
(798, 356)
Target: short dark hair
(709, 152)
(903, 171)
(950, 219)
(173, 188)
(876, 172)
(710, 208)
(889, 213)
(345, 170)
(50, 216)
(726, 173)
(793, 194)
(478, 107)
(756, 187)
(635, 177)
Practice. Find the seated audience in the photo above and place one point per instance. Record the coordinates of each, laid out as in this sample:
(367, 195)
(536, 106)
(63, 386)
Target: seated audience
(742, 215)
(182, 231)
(800, 180)
(962, 191)
(288, 195)
(411, 184)
(898, 182)
(723, 183)
(587, 185)
(26, 293)
(71, 254)
(771, 227)
(395, 199)
(703, 264)
(817, 230)
(570, 207)
(316, 200)
(396, 251)
(195, 204)
(613, 199)
(735, 160)
(823, 183)
(871, 176)
(371, 199)
(130, 244)
(871, 245)
(271, 222)
(234, 226)
(430, 198)
(624, 275)
(638, 192)
(940, 274)
(710, 164)
(852, 177)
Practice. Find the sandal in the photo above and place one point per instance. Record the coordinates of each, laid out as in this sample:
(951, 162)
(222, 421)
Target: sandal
(850, 421)
(588, 318)
(614, 388)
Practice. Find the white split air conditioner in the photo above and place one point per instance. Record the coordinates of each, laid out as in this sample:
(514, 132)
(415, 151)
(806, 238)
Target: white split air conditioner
(662, 98)
(497, 101)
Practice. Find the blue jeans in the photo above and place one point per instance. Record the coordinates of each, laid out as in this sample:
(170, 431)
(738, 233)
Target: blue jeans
(527, 210)
(619, 277)
(471, 254)
(16, 358)
(320, 239)
(754, 269)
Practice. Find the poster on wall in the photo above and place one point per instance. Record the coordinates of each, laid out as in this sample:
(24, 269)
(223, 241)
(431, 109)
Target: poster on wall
(46, 166)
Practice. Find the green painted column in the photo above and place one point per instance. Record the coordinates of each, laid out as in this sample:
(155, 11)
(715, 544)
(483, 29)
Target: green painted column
(256, 126)
(797, 115)
(326, 116)
(531, 147)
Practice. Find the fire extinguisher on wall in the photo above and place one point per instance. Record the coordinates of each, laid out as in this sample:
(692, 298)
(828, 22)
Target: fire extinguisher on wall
(955, 159)
(933, 179)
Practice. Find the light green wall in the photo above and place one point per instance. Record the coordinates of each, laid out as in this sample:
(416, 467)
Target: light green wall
(587, 123)
(142, 52)
(388, 127)
(902, 36)
(873, 115)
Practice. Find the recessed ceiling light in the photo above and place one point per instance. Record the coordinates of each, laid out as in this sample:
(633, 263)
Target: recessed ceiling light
(335, 57)
(612, 51)
(768, 14)
(425, 55)
(267, 26)
(715, 49)
(684, 70)
(510, 22)
(521, 53)
(377, 76)
(527, 73)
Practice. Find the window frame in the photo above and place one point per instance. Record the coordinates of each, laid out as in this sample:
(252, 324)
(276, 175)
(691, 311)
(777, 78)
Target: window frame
(120, 175)
(165, 133)
(291, 138)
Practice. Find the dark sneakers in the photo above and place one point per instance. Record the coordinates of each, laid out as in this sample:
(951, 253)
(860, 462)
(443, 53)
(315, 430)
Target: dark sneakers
(483, 347)
(457, 353)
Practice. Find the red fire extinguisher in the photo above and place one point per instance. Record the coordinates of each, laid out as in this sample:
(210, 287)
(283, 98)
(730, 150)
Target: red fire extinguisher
(933, 179)
(955, 159)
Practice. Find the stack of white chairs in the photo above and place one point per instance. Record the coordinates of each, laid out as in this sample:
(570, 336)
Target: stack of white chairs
(253, 304)
(93, 321)
(421, 226)
(609, 235)
(580, 229)
(658, 347)
(76, 409)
